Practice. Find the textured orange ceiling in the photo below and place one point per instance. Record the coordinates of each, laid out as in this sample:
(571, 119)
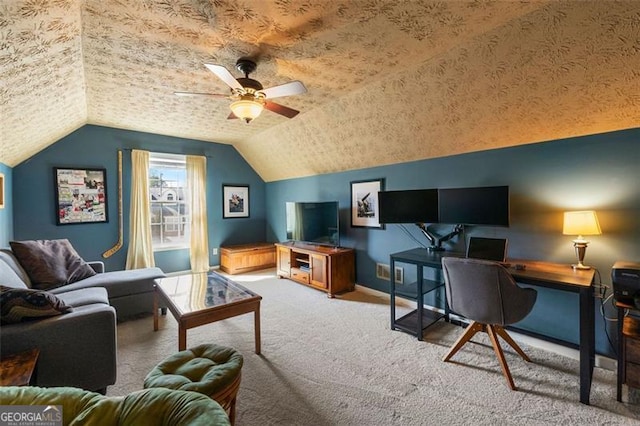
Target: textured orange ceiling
(388, 81)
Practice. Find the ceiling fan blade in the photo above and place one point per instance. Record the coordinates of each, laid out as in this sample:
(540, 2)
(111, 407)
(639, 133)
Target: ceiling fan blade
(292, 88)
(210, 95)
(224, 75)
(232, 116)
(281, 109)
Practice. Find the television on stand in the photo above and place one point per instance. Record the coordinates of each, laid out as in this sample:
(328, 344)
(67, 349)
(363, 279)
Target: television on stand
(313, 222)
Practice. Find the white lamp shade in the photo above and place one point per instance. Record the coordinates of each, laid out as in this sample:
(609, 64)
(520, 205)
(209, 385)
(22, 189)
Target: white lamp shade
(581, 223)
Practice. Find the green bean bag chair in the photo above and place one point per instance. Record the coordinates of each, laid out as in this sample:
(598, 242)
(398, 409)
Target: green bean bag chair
(152, 407)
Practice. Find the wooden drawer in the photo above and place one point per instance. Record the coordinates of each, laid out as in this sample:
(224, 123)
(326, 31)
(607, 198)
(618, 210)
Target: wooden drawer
(300, 275)
(632, 350)
(632, 374)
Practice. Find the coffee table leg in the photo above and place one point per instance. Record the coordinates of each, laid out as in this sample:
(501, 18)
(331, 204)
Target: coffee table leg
(182, 338)
(256, 326)
(155, 310)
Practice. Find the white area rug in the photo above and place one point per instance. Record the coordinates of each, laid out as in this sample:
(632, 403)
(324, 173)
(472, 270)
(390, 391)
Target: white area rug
(336, 362)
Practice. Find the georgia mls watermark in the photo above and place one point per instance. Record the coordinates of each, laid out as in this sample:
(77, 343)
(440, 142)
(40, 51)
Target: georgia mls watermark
(30, 415)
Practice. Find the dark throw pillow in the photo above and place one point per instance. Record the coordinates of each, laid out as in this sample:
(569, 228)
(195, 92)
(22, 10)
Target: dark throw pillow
(23, 304)
(50, 263)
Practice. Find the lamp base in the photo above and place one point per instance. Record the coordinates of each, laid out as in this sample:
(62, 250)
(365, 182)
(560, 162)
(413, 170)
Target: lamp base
(581, 249)
(580, 266)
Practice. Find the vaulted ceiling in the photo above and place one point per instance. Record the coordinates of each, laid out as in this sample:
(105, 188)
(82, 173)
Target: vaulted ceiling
(388, 81)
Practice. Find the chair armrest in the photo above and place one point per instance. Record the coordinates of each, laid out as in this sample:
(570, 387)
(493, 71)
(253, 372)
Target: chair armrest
(97, 266)
(71, 345)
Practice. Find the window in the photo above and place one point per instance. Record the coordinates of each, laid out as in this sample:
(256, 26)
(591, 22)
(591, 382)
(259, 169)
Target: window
(169, 208)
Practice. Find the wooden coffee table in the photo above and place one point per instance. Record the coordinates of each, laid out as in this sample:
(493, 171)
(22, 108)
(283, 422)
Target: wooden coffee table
(198, 299)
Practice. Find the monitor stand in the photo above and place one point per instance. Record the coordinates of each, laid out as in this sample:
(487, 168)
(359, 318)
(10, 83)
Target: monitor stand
(436, 240)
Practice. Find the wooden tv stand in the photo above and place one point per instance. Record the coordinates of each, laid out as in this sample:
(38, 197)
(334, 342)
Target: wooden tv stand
(330, 269)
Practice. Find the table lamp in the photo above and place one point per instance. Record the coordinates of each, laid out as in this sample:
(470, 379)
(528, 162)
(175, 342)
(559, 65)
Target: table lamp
(581, 223)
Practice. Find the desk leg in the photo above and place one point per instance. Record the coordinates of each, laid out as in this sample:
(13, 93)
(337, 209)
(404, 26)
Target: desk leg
(620, 355)
(419, 301)
(587, 342)
(392, 294)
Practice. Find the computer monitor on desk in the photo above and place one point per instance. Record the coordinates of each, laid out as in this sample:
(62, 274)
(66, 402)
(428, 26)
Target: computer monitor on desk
(487, 248)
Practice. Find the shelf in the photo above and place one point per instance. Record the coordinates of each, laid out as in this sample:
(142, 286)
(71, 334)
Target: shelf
(410, 291)
(409, 322)
(302, 260)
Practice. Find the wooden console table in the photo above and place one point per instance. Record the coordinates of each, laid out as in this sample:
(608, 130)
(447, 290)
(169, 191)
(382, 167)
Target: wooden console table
(330, 269)
(247, 257)
(544, 274)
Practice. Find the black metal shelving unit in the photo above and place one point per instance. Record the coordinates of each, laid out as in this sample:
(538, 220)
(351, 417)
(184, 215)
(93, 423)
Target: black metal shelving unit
(418, 320)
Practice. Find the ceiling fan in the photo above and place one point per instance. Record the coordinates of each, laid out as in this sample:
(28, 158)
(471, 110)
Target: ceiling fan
(248, 96)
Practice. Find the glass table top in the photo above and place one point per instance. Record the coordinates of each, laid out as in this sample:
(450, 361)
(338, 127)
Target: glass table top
(197, 292)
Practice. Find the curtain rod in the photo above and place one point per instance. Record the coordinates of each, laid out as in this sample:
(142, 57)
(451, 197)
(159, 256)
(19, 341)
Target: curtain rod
(159, 152)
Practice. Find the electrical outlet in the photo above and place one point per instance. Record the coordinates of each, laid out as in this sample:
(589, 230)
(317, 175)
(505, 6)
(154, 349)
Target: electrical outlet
(215, 251)
(382, 271)
(399, 275)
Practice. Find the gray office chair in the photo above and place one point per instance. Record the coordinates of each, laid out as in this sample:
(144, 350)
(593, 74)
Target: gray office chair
(485, 293)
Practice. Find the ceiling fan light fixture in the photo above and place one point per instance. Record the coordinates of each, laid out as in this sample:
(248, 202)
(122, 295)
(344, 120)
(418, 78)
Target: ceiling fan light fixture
(246, 110)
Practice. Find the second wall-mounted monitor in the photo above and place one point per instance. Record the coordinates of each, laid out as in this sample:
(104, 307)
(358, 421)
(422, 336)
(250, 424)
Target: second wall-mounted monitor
(409, 206)
(488, 205)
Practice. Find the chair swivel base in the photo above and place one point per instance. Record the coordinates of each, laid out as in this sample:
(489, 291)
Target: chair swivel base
(493, 331)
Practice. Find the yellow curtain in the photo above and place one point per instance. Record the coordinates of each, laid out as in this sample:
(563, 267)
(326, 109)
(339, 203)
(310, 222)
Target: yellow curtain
(140, 252)
(199, 239)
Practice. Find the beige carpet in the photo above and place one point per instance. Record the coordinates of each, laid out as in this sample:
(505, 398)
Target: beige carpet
(336, 362)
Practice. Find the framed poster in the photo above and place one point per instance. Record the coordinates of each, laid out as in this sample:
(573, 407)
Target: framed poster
(364, 204)
(235, 201)
(81, 195)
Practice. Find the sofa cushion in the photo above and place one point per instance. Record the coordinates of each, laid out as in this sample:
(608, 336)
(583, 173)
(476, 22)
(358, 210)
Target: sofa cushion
(119, 283)
(22, 304)
(207, 368)
(8, 259)
(85, 296)
(9, 278)
(50, 263)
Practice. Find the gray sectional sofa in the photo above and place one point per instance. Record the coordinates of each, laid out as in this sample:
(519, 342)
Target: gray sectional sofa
(78, 348)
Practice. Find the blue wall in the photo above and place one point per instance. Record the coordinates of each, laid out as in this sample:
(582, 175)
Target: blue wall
(6, 214)
(96, 147)
(599, 172)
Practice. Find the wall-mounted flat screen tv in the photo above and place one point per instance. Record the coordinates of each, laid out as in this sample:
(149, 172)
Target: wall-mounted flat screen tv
(409, 206)
(488, 205)
(314, 222)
